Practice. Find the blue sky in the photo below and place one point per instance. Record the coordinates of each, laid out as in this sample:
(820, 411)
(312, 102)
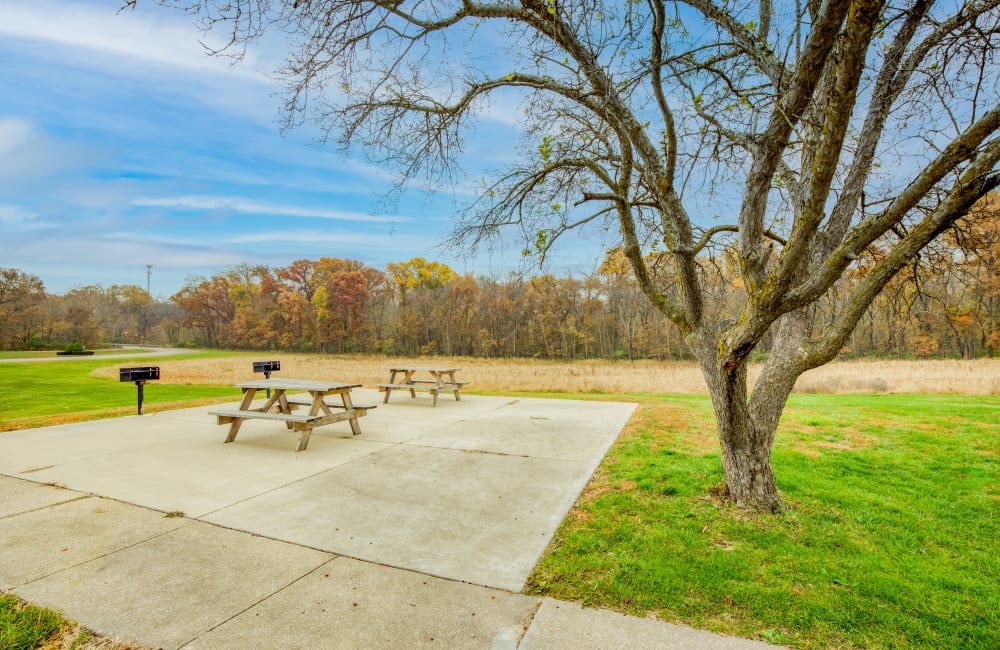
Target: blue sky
(123, 144)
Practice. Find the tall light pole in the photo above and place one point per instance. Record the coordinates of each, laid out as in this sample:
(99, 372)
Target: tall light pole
(149, 272)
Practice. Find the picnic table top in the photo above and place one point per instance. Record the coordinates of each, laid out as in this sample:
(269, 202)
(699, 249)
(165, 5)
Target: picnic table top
(297, 384)
(404, 368)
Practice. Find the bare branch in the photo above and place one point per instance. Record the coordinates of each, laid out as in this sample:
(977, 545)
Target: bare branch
(707, 236)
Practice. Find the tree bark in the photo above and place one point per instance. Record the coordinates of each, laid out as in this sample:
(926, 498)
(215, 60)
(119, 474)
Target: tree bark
(747, 423)
(746, 440)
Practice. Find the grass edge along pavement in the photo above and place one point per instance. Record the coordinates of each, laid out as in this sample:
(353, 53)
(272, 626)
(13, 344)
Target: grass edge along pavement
(25, 627)
(889, 541)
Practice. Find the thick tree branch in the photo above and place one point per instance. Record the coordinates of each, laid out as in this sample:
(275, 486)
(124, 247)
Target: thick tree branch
(656, 55)
(873, 227)
(774, 140)
(839, 106)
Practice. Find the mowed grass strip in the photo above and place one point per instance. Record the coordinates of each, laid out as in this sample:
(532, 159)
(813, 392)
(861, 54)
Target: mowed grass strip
(53, 354)
(53, 392)
(23, 626)
(890, 540)
(26, 627)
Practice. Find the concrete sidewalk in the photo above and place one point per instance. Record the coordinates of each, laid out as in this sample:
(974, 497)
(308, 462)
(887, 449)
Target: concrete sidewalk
(418, 533)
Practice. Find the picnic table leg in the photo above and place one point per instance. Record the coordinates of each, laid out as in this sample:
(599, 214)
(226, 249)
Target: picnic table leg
(392, 380)
(409, 380)
(349, 408)
(454, 386)
(303, 438)
(437, 387)
(281, 400)
(277, 398)
(319, 404)
(234, 426)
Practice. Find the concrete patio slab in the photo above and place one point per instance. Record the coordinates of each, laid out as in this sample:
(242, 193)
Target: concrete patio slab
(560, 625)
(471, 490)
(194, 579)
(197, 476)
(350, 604)
(169, 590)
(45, 541)
(403, 419)
(22, 496)
(481, 518)
(29, 450)
(537, 428)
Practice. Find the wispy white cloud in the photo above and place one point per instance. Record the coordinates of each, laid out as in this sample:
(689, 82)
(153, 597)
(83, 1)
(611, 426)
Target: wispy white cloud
(14, 133)
(504, 108)
(109, 256)
(123, 143)
(129, 37)
(154, 47)
(15, 218)
(260, 208)
(362, 240)
(28, 155)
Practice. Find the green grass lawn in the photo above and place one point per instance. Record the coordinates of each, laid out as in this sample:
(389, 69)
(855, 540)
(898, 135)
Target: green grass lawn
(24, 626)
(890, 540)
(39, 393)
(27, 354)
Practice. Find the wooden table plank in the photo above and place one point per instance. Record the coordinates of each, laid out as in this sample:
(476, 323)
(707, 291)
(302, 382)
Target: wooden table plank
(319, 414)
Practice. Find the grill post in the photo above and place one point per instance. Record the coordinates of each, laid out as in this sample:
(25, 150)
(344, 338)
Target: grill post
(140, 376)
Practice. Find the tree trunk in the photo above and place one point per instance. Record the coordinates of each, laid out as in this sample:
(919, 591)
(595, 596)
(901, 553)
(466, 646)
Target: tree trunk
(746, 455)
(747, 423)
(746, 446)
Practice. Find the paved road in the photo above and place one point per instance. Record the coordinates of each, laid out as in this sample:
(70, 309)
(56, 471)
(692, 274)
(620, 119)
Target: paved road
(137, 351)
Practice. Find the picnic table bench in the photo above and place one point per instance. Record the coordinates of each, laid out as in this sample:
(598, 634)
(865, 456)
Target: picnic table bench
(443, 379)
(280, 406)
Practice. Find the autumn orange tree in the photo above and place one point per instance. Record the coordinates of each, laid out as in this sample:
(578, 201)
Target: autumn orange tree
(21, 294)
(976, 294)
(208, 306)
(417, 281)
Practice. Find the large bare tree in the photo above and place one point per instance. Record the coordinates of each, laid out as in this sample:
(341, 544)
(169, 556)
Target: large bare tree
(833, 131)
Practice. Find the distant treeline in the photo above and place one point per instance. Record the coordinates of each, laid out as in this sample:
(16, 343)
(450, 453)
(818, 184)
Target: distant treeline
(947, 305)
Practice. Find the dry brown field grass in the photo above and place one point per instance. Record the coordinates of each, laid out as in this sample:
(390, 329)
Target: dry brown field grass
(973, 377)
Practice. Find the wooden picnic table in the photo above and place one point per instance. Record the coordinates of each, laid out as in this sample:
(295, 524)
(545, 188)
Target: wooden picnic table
(280, 404)
(442, 379)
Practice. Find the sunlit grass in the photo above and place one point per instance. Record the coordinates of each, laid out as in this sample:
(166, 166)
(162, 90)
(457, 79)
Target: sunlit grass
(51, 354)
(43, 393)
(890, 540)
(26, 627)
